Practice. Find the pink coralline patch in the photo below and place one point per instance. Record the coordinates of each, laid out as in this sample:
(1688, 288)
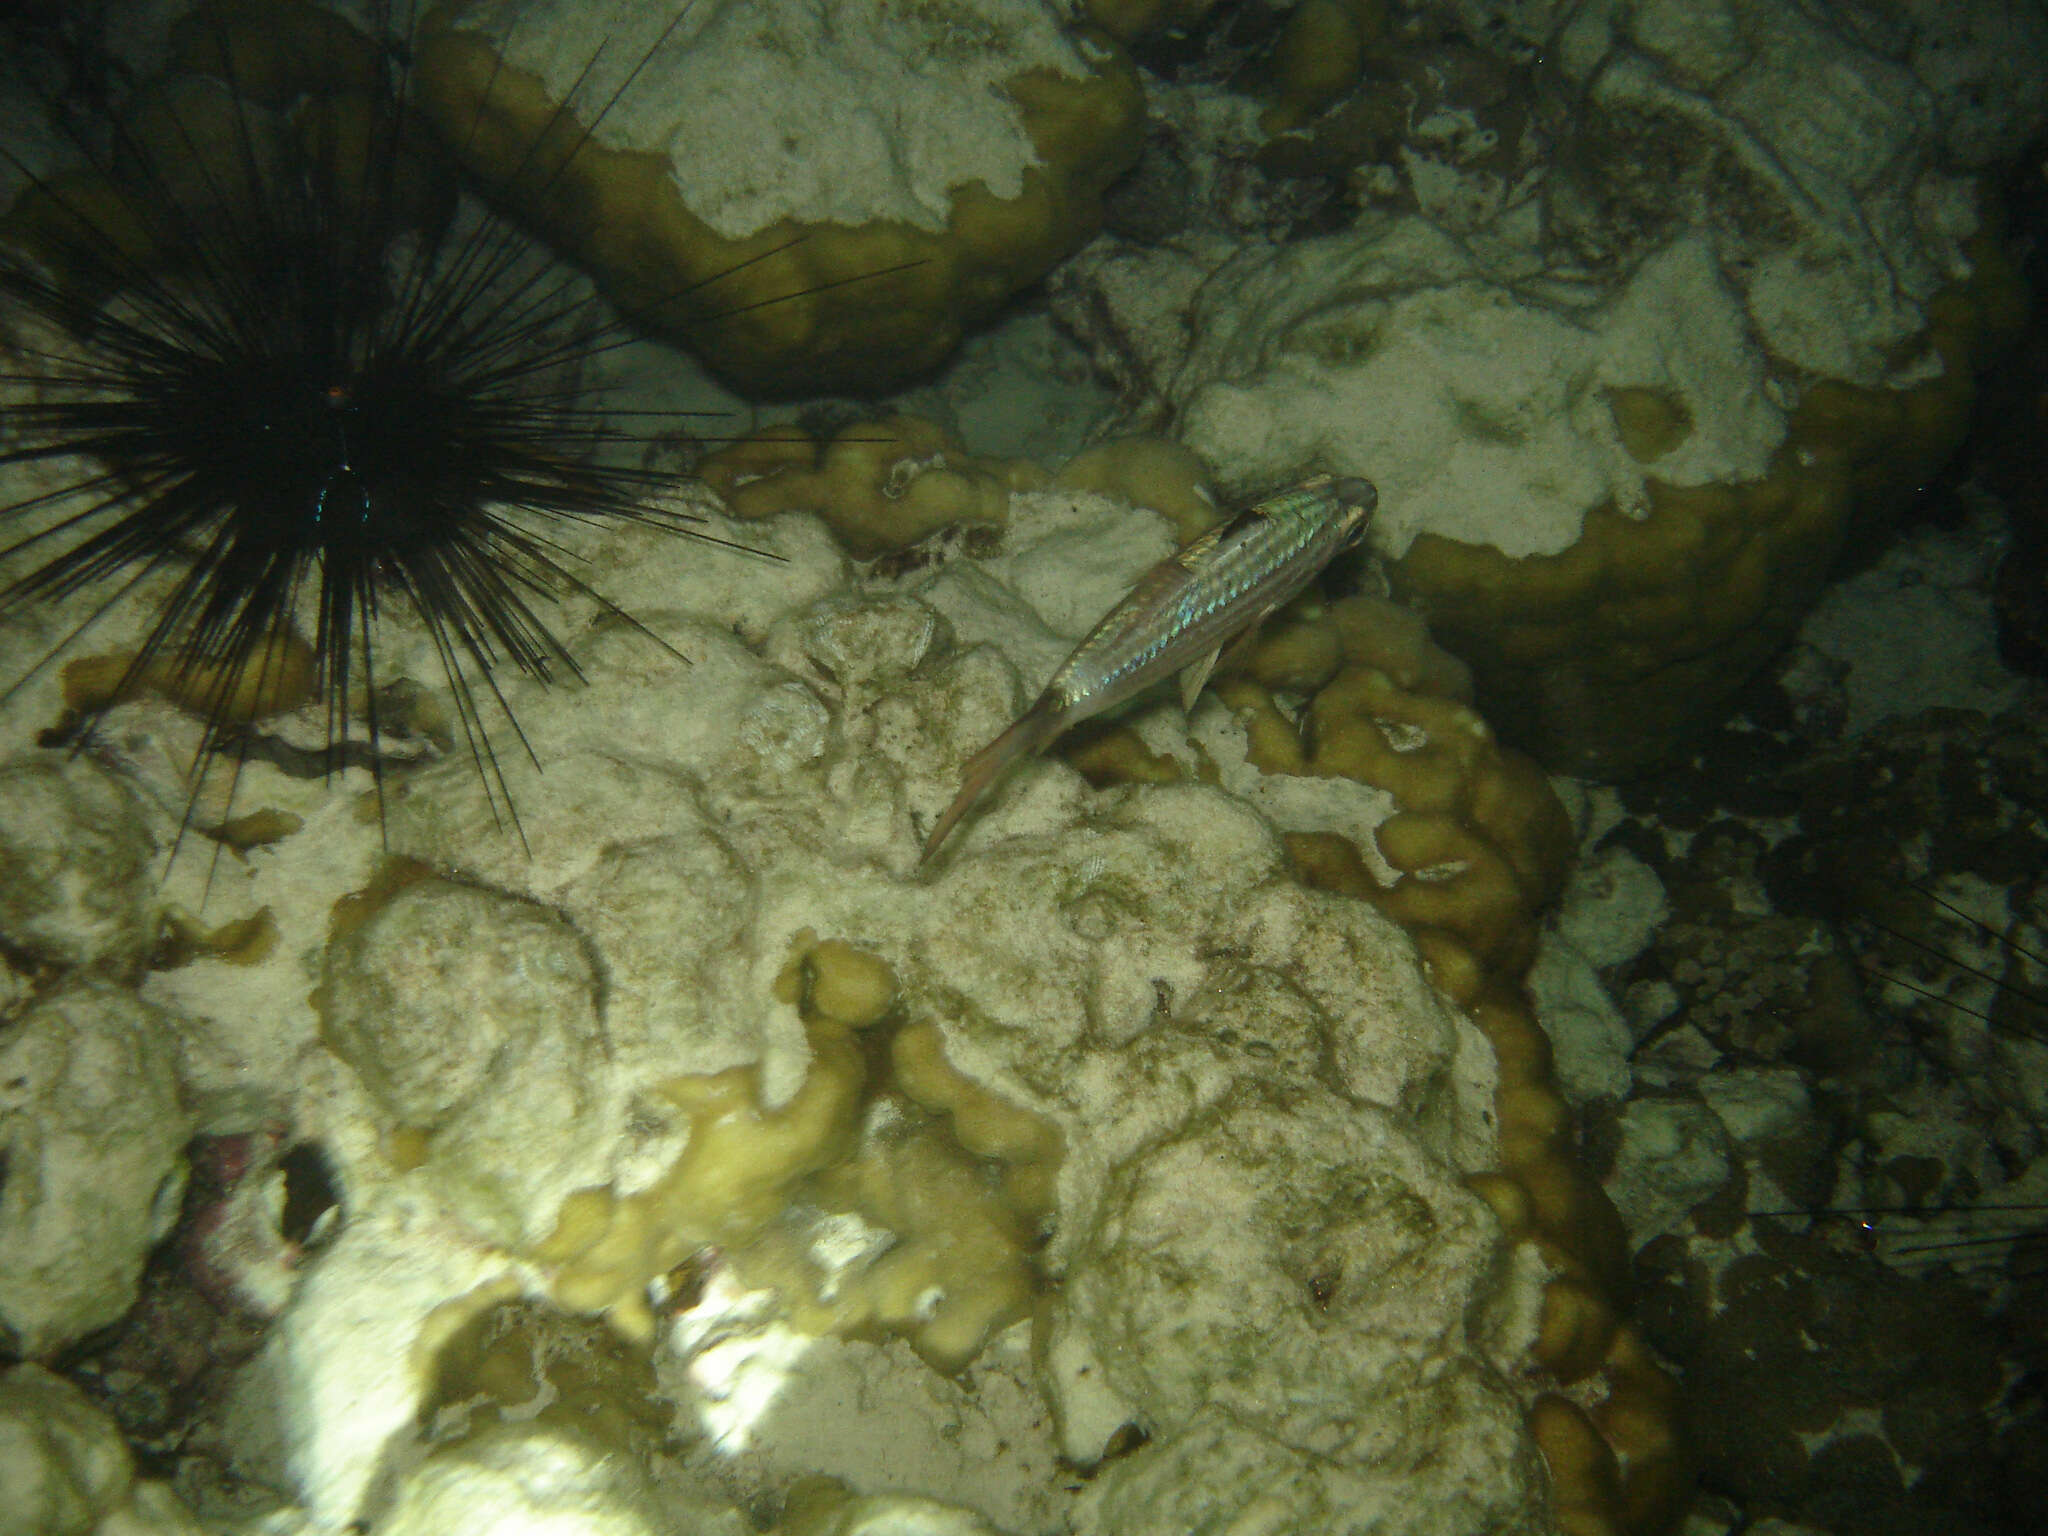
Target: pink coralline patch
(242, 1246)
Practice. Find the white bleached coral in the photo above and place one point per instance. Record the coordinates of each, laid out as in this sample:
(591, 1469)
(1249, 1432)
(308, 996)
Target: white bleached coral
(546, 1479)
(1222, 1475)
(812, 194)
(1484, 417)
(1716, 302)
(1293, 1266)
(1206, 1282)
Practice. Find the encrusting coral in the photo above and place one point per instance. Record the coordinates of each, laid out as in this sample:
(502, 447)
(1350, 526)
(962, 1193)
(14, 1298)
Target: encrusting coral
(880, 485)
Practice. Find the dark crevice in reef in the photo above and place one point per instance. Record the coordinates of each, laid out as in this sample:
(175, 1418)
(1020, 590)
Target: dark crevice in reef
(1859, 924)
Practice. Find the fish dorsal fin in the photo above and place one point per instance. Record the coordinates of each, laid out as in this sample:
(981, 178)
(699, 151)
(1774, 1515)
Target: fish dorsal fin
(1189, 557)
(1166, 578)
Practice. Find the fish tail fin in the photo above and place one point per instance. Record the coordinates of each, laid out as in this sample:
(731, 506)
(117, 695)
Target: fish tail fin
(1032, 731)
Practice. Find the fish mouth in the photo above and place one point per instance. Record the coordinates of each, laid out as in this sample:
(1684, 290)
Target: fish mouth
(1354, 492)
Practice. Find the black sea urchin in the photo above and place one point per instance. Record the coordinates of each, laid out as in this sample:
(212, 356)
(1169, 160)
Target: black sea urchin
(302, 373)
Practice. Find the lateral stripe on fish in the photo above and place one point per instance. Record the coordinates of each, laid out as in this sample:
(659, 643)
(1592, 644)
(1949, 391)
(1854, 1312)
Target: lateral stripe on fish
(1178, 617)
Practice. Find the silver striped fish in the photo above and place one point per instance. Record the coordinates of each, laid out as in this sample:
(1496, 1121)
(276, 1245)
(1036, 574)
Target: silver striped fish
(1179, 617)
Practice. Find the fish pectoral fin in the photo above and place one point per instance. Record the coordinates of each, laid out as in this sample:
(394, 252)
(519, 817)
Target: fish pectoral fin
(1229, 656)
(1194, 675)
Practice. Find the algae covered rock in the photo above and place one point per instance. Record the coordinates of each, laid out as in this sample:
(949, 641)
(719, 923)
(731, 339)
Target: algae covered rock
(92, 1139)
(1239, 1265)
(66, 1470)
(1220, 1474)
(471, 1017)
(77, 884)
(1094, 994)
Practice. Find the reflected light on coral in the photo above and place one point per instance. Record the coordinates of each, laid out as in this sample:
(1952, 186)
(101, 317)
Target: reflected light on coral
(738, 1358)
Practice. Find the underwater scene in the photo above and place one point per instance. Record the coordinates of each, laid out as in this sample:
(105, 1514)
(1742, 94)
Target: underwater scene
(1023, 767)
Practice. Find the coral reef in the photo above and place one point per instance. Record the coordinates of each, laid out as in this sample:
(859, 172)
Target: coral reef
(1635, 318)
(881, 486)
(79, 859)
(903, 169)
(708, 1059)
(1187, 1123)
(1820, 1107)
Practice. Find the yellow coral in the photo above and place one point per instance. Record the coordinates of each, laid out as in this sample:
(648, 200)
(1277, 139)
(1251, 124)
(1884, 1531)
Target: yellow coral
(792, 307)
(834, 981)
(734, 1174)
(277, 676)
(958, 1268)
(1318, 57)
(1602, 657)
(1478, 846)
(1147, 472)
(959, 1191)
(880, 486)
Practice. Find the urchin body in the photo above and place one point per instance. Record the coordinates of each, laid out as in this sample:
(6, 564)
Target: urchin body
(297, 372)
